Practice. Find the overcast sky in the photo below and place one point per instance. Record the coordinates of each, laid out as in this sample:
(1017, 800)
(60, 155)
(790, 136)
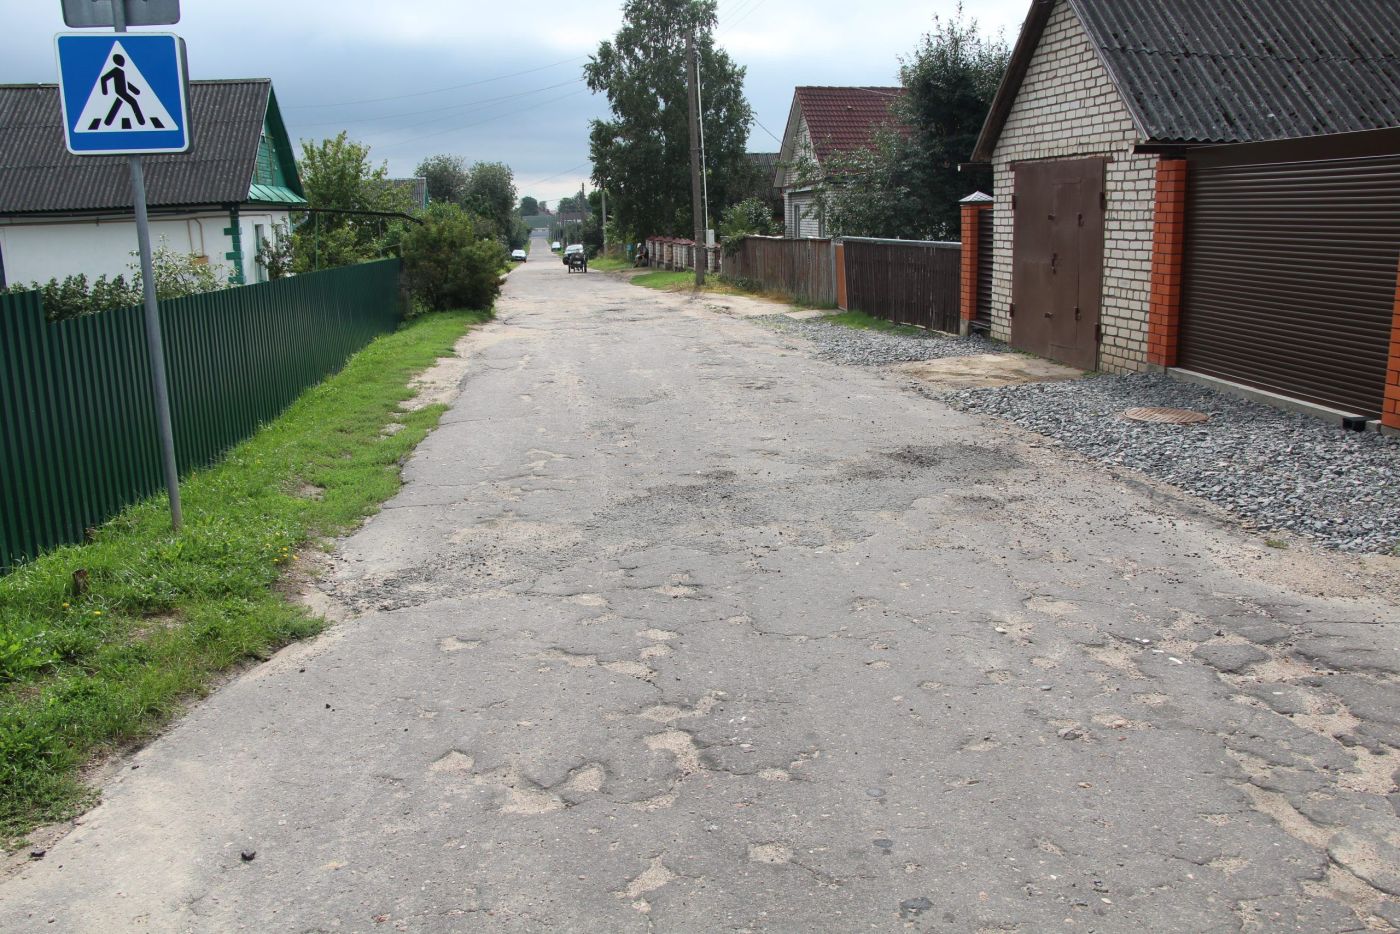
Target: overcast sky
(498, 80)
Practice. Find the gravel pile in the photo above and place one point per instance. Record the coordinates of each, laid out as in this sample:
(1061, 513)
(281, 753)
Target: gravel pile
(855, 347)
(1279, 470)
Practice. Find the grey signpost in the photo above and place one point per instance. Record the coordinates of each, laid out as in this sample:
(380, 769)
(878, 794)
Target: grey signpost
(119, 14)
(79, 14)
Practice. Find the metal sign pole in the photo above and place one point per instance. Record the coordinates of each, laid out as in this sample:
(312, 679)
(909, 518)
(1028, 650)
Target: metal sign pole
(155, 345)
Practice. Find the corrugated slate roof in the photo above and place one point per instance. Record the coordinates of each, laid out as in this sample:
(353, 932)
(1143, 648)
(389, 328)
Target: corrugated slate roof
(763, 161)
(1206, 71)
(416, 187)
(1203, 71)
(39, 175)
(842, 119)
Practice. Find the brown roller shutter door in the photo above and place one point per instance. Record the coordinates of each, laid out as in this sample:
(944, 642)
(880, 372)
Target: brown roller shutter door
(1290, 277)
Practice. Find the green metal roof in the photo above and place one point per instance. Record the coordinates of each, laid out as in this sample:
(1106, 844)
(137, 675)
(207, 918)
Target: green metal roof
(274, 194)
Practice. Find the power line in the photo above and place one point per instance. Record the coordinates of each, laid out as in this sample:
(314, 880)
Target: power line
(454, 87)
(735, 9)
(489, 119)
(466, 106)
(747, 14)
(768, 131)
(541, 181)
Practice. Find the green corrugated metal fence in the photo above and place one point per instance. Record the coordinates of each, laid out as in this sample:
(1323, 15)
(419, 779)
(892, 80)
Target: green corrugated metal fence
(77, 426)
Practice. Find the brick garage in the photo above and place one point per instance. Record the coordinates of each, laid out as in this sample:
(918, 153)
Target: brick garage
(1137, 85)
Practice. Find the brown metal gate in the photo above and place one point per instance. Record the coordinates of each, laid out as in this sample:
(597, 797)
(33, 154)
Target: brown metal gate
(1057, 259)
(1290, 274)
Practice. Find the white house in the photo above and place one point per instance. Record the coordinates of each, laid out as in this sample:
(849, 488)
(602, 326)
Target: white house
(824, 121)
(62, 214)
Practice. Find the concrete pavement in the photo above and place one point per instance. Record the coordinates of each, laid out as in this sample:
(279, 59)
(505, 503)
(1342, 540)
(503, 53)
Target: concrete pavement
(674, 628)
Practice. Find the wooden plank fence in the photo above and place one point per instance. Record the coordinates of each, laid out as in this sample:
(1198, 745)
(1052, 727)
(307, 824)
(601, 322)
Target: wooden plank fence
(804, 269)
(906, 281)
(77, 425)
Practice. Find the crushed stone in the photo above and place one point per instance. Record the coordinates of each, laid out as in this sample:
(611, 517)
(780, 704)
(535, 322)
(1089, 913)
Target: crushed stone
(856, 347)
(1280, 471)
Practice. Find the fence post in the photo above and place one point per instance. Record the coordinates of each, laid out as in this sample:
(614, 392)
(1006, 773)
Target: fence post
(973, 207)
(838, 260)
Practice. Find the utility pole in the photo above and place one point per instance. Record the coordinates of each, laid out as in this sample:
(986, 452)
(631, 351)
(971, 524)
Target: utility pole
(697, 208)
(604, 191)
(704, 170)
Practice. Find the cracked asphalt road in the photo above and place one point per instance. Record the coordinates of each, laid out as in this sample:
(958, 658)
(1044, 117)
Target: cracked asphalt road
(676, 628)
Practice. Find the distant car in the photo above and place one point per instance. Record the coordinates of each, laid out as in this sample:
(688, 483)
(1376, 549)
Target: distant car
(554, 247)
(519, 255)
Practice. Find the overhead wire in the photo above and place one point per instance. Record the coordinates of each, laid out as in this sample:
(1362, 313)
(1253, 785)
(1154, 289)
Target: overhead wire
(550, 178)
(768, 131)
(747, 13)
(452, 87)
(489, 119)
(466, 106)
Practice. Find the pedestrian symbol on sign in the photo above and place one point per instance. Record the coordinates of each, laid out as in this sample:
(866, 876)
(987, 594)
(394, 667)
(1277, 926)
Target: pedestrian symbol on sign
(115, 102)
(123, 94)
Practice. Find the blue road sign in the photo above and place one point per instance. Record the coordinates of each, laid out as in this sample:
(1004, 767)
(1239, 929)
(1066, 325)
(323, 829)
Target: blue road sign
(123, 93)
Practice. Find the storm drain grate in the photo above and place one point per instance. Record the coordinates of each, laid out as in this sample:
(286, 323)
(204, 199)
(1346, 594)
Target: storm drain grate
(1163, 416)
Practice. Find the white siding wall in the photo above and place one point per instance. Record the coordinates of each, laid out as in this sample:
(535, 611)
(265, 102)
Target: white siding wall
(800, 215)
(799, 219)
(1068, 108)
(37, 251)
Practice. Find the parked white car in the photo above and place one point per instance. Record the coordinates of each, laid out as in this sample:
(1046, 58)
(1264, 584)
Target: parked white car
(519, 255)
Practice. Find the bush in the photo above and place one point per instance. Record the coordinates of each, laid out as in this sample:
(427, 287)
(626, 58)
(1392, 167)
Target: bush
(177, 275)
(446, 265)
(752, 216)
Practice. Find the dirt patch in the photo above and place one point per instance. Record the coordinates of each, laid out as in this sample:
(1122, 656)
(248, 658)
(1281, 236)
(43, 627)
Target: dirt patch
(437, 385)
(986, 370)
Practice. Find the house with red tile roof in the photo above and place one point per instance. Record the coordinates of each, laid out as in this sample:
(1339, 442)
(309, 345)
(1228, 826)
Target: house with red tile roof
(825, 121)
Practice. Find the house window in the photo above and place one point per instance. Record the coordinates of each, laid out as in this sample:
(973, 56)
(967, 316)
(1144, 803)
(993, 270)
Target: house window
(259, 238)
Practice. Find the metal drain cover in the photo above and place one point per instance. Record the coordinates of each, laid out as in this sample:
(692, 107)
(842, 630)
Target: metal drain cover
(1162, 416)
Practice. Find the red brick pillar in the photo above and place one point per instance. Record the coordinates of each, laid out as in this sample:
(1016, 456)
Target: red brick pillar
(1390, 409)
(971, 238)
(1168, 248)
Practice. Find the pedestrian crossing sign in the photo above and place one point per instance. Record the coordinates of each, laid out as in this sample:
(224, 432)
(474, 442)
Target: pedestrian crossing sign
(123, 93)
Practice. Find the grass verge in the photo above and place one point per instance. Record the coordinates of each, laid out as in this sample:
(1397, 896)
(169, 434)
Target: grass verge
(682, 281)
(87, 670)
(665, 280)
(864, 322)
(608, 263)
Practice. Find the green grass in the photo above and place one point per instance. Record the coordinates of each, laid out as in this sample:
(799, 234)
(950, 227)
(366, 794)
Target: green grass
(665, 280)
(84, 674)
(608, 263)
(864, 322)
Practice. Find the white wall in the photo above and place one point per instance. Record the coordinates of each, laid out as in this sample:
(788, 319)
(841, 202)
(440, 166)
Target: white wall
(800, 215)
(35, 250)
(1069, 108)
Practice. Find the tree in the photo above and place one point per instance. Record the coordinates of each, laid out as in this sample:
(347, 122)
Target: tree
(753, 216)
(950, 81)
(642, 154)
(490, 194)
(447, 264)
(337, 174)
(907, 183)
(447, 178)
(529, 207)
